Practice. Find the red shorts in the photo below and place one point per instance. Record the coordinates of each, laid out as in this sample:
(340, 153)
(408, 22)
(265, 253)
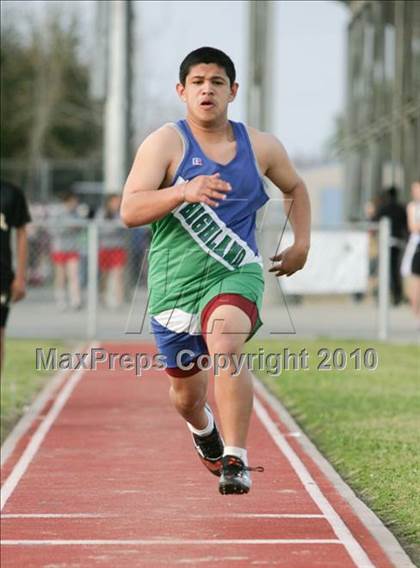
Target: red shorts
(61, 257)
(111, 258)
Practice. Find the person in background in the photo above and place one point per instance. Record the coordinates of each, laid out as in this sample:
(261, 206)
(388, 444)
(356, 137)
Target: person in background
(396, 212)
(66, 254)
(370, 210)
(410, 266)
(38, 245)
(14, 213)
(112, 252)
(138, 261)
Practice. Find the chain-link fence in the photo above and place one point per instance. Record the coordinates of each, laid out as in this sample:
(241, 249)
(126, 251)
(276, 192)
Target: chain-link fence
(82, 274)
(88, 278)
(58, 263)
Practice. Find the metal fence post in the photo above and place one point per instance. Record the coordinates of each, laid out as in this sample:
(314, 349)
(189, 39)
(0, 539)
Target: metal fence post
(384, 277)
(92, 283)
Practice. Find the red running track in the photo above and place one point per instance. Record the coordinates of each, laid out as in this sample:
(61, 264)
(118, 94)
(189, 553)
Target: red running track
(107, 476)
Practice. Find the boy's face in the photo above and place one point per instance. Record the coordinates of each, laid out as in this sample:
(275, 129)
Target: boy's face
(114, 204)
(71, 203)
(415, 190)
(207, 92)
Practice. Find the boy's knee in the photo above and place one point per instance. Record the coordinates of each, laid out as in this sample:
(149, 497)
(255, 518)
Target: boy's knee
(188, 401)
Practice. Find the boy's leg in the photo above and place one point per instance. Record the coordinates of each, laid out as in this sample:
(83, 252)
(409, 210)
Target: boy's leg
(189, 395)
(1, 349)
(116, 284)
(74, 282)
(4, 314)
(189, 384)
(227, 326)
(60, 285)
(227, 329)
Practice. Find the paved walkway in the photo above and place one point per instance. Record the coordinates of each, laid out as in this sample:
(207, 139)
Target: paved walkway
(337, 317)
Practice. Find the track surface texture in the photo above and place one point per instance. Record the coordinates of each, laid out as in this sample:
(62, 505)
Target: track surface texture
(106, 475)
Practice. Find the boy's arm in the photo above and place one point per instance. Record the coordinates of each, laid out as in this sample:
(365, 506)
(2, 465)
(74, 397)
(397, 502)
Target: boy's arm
(297, 206)
(18, 284)
(143, 201)
(412, 223)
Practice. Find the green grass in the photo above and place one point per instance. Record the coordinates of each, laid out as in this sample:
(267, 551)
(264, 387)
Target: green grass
(20, 381)
(367, 423)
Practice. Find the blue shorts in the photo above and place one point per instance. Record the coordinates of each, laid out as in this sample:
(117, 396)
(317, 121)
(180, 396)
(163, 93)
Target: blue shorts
(182, 342)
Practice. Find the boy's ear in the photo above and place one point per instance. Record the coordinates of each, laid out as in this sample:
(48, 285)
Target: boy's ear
(180, 89)
(233, 91)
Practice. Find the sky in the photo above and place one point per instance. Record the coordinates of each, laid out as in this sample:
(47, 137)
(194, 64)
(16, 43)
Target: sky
(308, 61)
(311, 62)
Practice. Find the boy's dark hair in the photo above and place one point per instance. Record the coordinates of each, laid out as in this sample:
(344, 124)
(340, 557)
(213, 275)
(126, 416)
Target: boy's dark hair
(207, 55)
(392, 193)
(68, 195)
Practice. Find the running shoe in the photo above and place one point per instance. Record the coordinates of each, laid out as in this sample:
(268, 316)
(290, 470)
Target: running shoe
(235, 476)
(210, 450)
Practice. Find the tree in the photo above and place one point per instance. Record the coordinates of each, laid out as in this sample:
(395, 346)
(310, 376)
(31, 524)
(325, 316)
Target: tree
(46, 111)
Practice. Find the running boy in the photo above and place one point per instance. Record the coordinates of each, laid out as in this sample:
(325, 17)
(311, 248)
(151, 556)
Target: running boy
(199, 182)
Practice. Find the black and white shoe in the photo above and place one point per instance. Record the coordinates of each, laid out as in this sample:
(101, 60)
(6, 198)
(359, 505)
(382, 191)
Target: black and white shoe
(235, 478)
(210, 450)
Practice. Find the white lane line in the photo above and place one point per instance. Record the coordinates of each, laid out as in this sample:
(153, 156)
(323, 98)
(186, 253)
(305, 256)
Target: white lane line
(169, 542)
(111, 515)
(54, 516)
(356, 552)
(39, 435)
(275, 516)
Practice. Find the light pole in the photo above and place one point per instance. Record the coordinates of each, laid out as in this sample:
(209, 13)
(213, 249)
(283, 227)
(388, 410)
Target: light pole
(117, 103)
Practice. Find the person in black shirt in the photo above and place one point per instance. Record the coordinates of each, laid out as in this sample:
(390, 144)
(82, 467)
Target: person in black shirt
(13, 214)
(396, 212)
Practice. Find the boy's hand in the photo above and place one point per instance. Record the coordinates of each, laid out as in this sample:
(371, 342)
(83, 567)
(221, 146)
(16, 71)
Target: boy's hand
(206, 189)
(17, 290)
(291, 260)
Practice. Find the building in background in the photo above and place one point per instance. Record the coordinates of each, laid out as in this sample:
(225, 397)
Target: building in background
(381, 141)
(326, 184)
